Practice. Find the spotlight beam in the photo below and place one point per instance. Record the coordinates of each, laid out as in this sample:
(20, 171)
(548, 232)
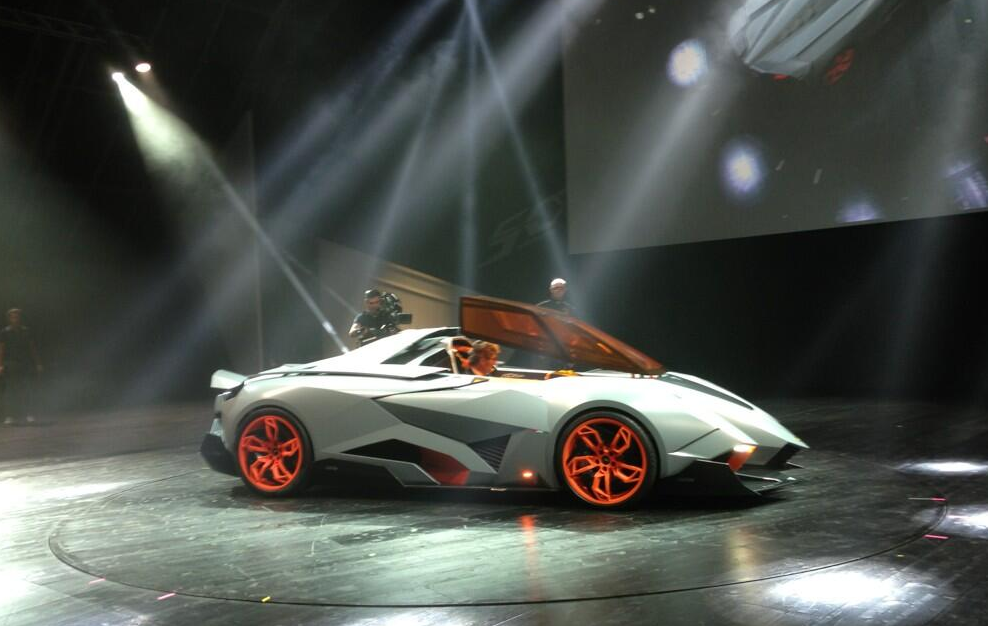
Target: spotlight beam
(300, 146)
(262, 236)
(409, 161)
(468, 208)
(523, 70)
(556, 247)
(308, 272)
(332, 175)
(178, 159)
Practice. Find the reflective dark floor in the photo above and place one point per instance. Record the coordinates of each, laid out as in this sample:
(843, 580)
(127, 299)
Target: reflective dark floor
(112, 519)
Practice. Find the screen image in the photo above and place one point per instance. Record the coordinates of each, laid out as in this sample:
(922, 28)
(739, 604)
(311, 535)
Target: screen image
(703, 119)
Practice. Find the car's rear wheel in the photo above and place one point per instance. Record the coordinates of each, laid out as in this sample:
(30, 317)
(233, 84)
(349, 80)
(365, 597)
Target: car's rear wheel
(607, 460)
(273, 453)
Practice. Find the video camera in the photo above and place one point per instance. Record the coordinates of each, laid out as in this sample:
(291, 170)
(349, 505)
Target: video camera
(391, 309)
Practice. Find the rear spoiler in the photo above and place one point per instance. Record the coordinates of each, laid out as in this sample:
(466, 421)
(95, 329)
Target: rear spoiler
(223, 379)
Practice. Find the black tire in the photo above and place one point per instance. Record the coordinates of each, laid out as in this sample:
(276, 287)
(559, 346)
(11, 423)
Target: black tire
(614, 468)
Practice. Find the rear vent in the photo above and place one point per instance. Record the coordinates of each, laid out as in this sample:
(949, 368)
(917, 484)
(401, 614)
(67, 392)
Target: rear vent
(492, 450)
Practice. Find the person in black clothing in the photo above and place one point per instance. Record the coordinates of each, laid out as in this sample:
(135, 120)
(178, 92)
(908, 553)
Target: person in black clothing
(19, 362)
(372, 323)
(557, 298)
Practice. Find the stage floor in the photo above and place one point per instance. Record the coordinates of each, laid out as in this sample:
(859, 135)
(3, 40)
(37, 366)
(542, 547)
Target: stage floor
(112, 518)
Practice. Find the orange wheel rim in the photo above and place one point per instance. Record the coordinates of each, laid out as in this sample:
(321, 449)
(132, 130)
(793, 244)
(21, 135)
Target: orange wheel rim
(270, 452)
(604, 461)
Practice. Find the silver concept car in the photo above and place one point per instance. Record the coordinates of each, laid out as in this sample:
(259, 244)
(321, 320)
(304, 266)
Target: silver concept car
(799, 38)
(403, 406)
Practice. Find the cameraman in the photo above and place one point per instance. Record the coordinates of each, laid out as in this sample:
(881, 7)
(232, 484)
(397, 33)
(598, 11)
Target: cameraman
(378, 319)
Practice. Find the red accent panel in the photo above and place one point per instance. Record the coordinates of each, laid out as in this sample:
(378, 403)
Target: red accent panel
(444, 468)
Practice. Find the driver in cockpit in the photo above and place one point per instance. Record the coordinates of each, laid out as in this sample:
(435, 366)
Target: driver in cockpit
(482, 360)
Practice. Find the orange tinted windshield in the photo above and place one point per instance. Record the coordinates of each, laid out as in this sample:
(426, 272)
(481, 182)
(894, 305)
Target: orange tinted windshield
(548, 332)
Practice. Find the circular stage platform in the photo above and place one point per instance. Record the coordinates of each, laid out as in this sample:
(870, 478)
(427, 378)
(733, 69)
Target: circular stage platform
(203, 534)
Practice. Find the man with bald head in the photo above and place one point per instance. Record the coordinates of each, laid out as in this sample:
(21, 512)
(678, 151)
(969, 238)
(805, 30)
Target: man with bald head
(557, 298)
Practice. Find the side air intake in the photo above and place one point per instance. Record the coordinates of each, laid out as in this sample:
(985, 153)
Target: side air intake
(492, 450)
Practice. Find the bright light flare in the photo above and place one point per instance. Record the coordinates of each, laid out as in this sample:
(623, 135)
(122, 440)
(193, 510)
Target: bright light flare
(858, 211)
(947, 467)
(743, 169)
(740, 455)
(528, 474)
(969, 185)
(135, 101)
(687, 63)
(973, 518)
(143, 67)
(836, 588)
(162, 138)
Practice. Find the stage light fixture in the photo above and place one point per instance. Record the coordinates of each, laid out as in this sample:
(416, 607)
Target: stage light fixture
(143, 67)
(117, 76)
(743, 170)
(687, 63)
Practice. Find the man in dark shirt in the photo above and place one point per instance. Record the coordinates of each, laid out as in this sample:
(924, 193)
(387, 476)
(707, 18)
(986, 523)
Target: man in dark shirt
(557, 298)
(372, 323)
(19, 362)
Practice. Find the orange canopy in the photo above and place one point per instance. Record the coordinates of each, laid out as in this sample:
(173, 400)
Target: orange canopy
(548, 332)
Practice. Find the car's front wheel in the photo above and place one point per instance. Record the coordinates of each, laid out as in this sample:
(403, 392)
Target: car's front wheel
(273, 453)
(607, 460)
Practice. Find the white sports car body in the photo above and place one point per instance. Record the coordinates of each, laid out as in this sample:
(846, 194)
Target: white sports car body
(403, 406)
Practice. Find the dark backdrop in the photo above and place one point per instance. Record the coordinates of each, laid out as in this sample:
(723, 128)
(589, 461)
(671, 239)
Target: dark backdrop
(85, 241)
(890, 310)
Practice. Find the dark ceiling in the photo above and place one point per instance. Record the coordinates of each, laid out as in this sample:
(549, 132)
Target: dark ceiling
(215, 58)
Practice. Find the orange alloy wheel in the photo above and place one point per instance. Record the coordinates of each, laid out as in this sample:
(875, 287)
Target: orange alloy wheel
(604, 461)
(270, 453)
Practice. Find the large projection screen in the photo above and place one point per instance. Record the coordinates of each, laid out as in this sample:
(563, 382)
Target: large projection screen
(696, 120)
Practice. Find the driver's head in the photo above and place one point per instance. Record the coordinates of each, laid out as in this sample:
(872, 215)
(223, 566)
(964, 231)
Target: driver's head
(483, 357)
(557, 288)
(372, 300)
(14, 317)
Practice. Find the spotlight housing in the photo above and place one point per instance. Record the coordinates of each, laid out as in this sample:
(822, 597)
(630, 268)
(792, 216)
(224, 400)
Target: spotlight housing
(687, 63)
(742, 169)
